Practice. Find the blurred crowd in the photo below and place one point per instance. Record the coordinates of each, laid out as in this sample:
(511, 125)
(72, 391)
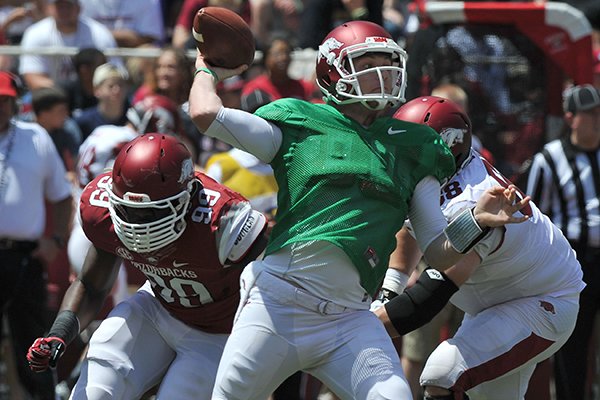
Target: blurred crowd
(71, 96)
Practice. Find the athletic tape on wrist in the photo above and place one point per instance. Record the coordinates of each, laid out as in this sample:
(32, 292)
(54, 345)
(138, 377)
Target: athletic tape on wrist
(65, 326)
(394, 281)
(463, 232)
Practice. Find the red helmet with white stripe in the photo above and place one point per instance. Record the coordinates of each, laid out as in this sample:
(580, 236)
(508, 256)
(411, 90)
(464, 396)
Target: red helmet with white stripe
(337, 76)
(149, 196)
(446, 118)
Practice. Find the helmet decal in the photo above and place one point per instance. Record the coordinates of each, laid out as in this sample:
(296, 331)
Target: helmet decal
(326, 50)
(452, 136)
(187, 170)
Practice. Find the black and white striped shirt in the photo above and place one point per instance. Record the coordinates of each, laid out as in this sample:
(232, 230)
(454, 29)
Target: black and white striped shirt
(564, 181)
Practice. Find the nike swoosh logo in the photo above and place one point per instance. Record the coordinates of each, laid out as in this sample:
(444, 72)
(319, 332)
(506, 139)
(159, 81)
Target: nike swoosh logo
(395, 131)
(177, 265)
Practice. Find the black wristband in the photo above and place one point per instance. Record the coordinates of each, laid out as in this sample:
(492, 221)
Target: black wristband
(65, 326)
(418, 304)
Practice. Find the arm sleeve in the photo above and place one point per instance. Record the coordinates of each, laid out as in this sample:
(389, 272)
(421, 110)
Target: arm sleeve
(426, 218)
(246, 132)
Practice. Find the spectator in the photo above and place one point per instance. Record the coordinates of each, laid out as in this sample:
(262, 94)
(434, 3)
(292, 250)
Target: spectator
(273, 18)
(519, 286)
(276, 80)
(182, 32)
(31, 173)
(131, 22)
(110, 88)
(172, 330)
(347, 178)
(14, 19)
(563, 180)
(320, 16)
(171, 76)
(394, 15)
(51, 110)
(81, 89)
(63, 28)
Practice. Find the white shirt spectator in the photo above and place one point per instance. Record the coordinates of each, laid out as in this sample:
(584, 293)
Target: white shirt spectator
(34, 172)
(143, 17)
(44, 34)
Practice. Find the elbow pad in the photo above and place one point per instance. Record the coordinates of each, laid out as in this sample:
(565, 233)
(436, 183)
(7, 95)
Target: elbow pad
(239, 229)
(418, 304)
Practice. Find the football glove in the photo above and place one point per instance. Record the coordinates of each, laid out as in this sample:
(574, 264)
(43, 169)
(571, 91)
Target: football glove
(45, 352)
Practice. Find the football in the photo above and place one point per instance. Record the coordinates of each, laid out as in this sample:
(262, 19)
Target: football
(223, 37)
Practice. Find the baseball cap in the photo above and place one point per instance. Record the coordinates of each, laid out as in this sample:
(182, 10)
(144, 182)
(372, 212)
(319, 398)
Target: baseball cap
(581, 98)
(106, 71)
(7, 85)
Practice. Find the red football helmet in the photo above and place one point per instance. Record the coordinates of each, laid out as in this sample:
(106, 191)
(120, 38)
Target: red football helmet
(156, 114)
(446, 118)
(337, 76)
(149, 196)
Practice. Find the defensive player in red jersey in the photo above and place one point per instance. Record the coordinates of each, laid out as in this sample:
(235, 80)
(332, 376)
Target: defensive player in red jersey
(189, 235)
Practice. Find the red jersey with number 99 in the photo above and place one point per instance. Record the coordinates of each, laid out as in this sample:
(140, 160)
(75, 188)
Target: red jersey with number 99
(186, 275)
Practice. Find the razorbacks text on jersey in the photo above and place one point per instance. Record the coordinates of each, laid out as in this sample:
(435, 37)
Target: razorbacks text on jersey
(186, 276)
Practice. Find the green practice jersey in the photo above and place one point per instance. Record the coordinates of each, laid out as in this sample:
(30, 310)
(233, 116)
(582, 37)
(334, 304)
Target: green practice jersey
(347, 184)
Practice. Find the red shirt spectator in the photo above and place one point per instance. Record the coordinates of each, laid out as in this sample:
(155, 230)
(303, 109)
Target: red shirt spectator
(276, 81)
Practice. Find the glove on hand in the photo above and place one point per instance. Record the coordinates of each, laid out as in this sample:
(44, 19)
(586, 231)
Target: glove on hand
(45, 352)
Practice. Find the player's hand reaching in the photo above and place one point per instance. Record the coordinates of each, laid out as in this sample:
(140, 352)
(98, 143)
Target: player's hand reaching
(45, 352)
(498, 205)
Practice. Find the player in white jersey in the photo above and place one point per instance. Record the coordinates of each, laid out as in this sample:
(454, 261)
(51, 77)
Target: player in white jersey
(519, 286)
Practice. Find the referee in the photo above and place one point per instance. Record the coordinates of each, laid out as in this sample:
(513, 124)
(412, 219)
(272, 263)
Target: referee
(564, 181)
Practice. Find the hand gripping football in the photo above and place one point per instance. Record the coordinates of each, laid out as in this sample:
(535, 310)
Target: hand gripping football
(223, 37)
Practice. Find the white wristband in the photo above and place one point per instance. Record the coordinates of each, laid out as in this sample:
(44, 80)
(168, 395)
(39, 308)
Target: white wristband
(463, 232)
(395, 280)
